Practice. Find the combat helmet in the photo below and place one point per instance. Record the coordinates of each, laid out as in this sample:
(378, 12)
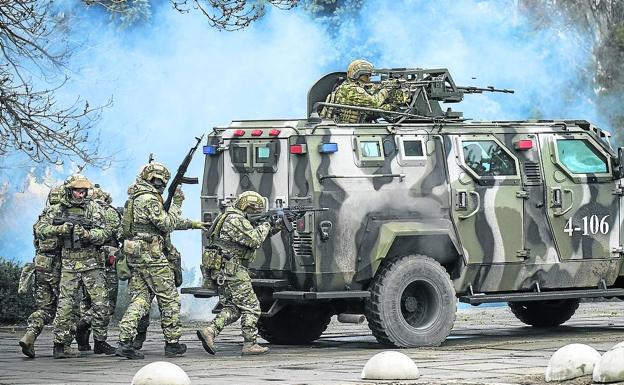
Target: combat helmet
(100, 194)
(154, 170)
(77, 181)
(250, 200)
(359, 68)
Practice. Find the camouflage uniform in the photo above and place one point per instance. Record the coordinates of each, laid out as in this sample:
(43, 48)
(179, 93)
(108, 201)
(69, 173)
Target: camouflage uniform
(236, 240)
(82, 265)
(113, 225)
(149, 225)
(357, 91)
(47, 264)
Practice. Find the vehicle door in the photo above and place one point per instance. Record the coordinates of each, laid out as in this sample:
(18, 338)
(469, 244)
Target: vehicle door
(583, 209)
(487, 203)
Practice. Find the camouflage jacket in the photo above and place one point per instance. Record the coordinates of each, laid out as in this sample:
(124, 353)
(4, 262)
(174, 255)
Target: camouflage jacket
(354, 93)
(78, 254)
(149, 215)
(112, 221)
(237, 237)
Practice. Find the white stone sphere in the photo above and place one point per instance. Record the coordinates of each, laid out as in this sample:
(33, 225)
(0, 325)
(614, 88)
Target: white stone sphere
(620, 345)
(610, 368)
(390, 365)
(161, 373)
(571, 361)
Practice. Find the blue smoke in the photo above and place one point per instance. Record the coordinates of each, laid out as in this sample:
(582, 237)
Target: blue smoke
(174, 78)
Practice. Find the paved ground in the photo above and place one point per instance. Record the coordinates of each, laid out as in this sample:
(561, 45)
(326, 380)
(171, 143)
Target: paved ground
(487, 346)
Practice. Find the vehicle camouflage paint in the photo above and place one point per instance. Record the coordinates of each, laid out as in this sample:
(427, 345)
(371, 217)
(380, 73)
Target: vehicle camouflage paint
(424, 207)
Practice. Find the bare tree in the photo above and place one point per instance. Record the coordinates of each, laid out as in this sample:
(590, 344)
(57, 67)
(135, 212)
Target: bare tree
(32, 121)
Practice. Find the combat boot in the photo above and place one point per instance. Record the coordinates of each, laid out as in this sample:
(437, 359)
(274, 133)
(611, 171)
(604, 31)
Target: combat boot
(206, 336)
(174, 349)
(62, 351)
(139, 339)
(83, 332)
(28, 344)
(125, 349)
(102, 347)
(252, 348)
(71, 352)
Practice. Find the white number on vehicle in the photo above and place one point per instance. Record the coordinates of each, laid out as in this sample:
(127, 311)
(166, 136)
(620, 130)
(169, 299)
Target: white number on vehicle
(591, 225)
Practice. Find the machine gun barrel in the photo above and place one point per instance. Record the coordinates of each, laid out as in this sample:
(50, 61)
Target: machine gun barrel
(179, 177)
(288, 215)
(480, 90)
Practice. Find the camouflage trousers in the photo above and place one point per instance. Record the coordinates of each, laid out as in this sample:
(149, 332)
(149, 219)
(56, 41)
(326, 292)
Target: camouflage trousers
(94, 282)
(46, 298)
(112, 287)
(239, 301)
(146, 282)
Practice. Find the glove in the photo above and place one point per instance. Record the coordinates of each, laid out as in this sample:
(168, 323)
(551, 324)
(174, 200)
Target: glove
(64, 229)
(178, 196)
(111, 260)
(82, 233)
(200, 225)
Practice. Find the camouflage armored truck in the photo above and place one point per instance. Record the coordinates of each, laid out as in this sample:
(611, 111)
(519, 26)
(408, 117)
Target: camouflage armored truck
(424, 208)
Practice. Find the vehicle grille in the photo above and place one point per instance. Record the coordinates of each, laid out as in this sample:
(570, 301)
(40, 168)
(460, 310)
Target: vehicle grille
(302, 245)
(532, 173)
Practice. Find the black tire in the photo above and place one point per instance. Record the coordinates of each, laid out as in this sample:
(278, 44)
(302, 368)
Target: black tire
(545, 313)
(412, 302)
(294, 325)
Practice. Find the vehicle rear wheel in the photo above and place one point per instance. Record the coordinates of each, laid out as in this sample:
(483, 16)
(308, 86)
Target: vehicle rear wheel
(412, 302)
(545, 313)
(294, 325)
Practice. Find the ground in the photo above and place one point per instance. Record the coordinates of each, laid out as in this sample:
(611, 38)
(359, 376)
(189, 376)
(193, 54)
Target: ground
(487, 346)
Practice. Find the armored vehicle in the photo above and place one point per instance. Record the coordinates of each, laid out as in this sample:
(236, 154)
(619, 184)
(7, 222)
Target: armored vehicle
(424, 208)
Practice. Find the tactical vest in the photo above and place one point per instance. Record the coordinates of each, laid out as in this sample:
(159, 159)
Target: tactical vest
(131, 229)
(228, 248)
(68, 242)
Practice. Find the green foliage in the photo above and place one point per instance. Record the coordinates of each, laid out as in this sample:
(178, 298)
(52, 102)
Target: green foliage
(125, 13)
(14, 307)
(332, 13)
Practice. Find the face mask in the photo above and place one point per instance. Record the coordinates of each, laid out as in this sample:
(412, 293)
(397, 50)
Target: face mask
(158, 184)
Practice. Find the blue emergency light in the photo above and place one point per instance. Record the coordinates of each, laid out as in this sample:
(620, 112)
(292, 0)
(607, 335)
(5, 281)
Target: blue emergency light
(328, 148)
(210, 150)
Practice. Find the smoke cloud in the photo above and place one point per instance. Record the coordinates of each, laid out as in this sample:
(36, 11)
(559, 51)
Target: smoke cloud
(175, 78)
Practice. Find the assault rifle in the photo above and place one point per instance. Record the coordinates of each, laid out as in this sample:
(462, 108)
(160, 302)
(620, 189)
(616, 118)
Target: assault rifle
(74, 220)
(287, 214)
(179, 177)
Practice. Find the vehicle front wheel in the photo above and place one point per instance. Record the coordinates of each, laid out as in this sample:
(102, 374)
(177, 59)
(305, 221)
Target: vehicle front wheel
(412, 302)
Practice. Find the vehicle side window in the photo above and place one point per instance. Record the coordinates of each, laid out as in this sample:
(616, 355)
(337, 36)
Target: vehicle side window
(488, 158)
(580, 157)
(413, 148)
(370, 149)
(239, 155)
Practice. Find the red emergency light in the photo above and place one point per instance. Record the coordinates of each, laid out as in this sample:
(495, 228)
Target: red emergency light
(298, 149)
(524, 144)
(238, 132)
(274, 132)
(256, 132)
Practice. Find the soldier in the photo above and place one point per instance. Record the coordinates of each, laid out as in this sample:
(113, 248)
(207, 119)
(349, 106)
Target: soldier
(358, 91)
(146, 225)
(233, 244)
(47, 265)
(80, 224)
(108, 251)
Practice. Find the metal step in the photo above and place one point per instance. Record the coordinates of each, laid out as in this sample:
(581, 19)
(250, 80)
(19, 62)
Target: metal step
(542, 296)
(314, 295)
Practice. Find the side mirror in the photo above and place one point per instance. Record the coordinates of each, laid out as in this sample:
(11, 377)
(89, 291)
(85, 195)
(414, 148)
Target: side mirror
(619, 166)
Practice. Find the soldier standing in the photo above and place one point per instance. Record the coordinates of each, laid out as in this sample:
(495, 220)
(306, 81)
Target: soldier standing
(80, 224)
(233, 244)
(108, 251)
(47, 264)
(145, 226)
